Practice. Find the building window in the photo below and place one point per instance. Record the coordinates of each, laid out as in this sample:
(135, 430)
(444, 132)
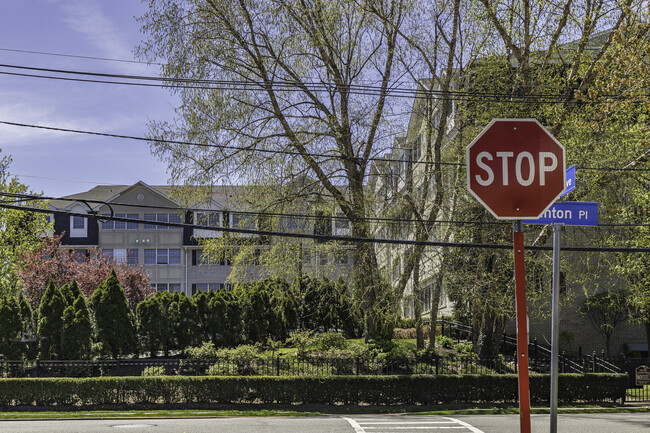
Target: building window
(244, 222)
(108, 253)
(149, 257)
(162, 256)
(203, 258)
(175, 257)
(132, 256)
(119, 255)
(161, 217)
(132, 225)
(150, 217)
(161, 287)
(107, 225)
(174, 218)
(78, 222)
(78, 227)
(80, 255)
(120, 225)
(208, 219)
(292, 223)
(174, 287)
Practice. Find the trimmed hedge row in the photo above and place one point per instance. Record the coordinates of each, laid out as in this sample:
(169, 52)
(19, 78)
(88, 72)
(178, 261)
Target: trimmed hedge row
(376, 390)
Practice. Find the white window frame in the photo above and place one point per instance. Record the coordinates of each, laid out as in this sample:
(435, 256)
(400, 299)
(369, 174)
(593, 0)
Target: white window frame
(251, 226)
(78, 233)
(203, 233)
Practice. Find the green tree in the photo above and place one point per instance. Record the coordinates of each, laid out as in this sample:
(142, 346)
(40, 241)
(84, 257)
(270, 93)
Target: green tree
(21, 231)
(225, 320)
(70, 292)
(11, 326)
(114, 319)
(152, 323)
(606, 310)
(340, 42)
(77, 332)
(182, 313)
(50, 323)
(201, 300)
(256, 314)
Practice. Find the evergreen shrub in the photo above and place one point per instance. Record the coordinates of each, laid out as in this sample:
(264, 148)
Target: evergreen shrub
(376, 390)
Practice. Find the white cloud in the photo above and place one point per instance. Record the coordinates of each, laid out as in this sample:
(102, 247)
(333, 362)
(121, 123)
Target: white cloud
(88, 18)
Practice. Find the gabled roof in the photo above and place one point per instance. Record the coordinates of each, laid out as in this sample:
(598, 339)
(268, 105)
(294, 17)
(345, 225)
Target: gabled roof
(220, 195)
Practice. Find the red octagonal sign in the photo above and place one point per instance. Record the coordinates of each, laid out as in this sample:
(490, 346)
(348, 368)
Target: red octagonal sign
(515, 168)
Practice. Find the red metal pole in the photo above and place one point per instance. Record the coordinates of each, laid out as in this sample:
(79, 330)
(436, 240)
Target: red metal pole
(522, 328)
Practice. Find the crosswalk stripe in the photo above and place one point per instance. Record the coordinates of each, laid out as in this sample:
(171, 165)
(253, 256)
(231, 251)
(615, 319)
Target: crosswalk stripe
(468, 426)
(378, 424)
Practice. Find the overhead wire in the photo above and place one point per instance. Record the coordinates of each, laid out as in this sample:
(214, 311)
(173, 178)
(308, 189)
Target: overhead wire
(30, 197)
(76, 56)
(357, 89)
(327, 237)
(273, 151)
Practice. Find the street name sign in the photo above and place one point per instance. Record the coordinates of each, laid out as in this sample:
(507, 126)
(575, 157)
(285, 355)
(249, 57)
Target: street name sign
(571, 213)
(570, 180)
(515, 168)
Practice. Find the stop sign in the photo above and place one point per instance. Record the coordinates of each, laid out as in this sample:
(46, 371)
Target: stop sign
(515, 168)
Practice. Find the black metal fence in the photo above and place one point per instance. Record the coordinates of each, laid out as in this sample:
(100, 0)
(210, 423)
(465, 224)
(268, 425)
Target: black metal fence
(288, 366)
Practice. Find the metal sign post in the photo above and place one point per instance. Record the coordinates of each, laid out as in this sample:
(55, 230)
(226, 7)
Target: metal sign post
(574, 214)
(555, 332)
(522, 327)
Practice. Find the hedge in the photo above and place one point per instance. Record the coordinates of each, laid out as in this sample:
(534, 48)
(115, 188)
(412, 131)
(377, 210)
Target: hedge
(375, 390)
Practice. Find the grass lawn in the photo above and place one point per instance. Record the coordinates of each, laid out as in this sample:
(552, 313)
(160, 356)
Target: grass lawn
(313, 410)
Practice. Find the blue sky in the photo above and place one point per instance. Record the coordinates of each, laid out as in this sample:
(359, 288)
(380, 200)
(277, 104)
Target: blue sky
(57, 163)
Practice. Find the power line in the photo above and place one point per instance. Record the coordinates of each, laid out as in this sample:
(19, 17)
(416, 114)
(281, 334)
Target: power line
(368, 90)
(30, 197)
(272, 151)
(328, 237)
(219, 146)
(46, 53)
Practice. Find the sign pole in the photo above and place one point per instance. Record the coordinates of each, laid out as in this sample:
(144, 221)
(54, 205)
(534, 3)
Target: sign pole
(555, 332)
(522, 327)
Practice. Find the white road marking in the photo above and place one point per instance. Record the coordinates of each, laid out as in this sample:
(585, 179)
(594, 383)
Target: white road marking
(408, 422)
(463, 423)
(416, 428)
(363, 425)
(355, 425)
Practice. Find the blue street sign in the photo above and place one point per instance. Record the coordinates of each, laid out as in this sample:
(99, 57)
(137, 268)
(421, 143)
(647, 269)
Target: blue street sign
(571, 213)
(570, 180)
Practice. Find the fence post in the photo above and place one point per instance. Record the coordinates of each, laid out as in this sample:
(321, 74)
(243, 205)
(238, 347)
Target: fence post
(535, 348)
(357, 362)
(437, 364)
(277, 365)
(593, 362)
(516, 361)
(563, 361)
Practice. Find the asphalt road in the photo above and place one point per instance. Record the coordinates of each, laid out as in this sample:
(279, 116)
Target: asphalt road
(571, 423)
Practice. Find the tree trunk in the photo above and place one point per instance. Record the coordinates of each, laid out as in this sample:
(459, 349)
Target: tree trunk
(417, 306)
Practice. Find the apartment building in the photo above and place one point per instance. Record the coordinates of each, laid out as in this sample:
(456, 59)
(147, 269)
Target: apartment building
(402, 174)
(174, 256)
